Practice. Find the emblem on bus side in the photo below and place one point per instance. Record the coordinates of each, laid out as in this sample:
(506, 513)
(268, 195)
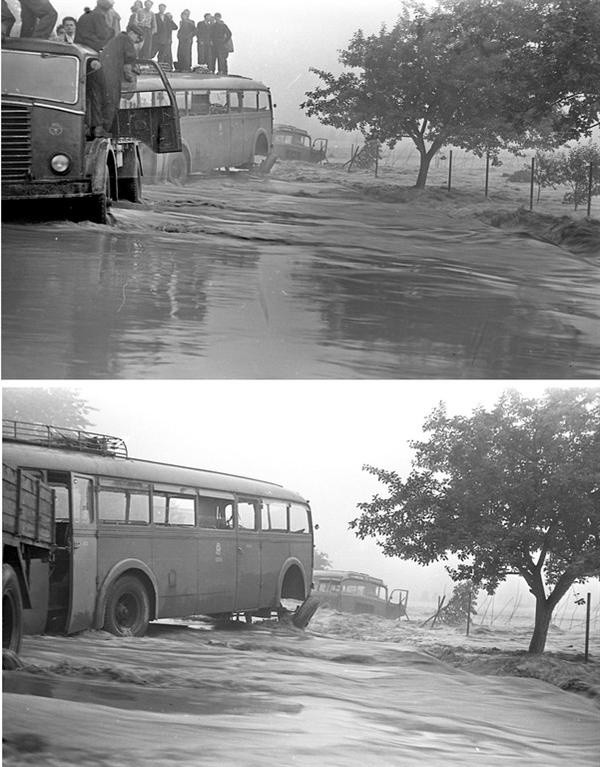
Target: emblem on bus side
(55, 129)
(218, 554)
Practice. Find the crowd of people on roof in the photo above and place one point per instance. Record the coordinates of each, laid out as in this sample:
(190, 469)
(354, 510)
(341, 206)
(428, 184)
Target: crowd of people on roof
(151, 33)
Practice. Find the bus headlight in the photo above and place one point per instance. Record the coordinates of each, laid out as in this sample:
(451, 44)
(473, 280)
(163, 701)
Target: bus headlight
(60, 163)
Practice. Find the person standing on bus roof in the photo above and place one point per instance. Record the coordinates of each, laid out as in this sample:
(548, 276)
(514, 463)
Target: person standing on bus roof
(38, 18)
(147, 21)
(118, 59)
(185, 35)
(8, 20)
(222, 46)
(92, 27)
(69, 29)
(205, 57)
(113, 19)
(162, 42)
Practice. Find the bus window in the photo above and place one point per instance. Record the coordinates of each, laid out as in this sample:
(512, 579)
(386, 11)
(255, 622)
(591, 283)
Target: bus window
(218, 102)
(112, 506)
(180, 510)
(298, 519)
(263, 100)
(82, 500)
(215, 513)
(138, 508)
(274, 516)
(246, 515)
(200, 103)
(159, 509)
(182, 100)
(250, 101)
(236, 101)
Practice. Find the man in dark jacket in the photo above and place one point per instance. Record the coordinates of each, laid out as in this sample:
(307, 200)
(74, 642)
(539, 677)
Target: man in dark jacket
(220, 36)
(38, 18)
(205, 58)
(162, 42)
(92, 27)
(118, 59)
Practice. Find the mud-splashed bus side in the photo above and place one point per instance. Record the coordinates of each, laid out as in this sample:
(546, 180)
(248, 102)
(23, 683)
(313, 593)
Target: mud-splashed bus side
(137, 540)
(226, 122)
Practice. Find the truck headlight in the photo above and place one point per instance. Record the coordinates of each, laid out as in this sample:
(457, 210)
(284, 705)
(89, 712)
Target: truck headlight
(60, 163)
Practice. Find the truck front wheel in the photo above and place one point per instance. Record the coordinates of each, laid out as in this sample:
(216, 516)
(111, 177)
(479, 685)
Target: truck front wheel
(12, 610)
(127, 607)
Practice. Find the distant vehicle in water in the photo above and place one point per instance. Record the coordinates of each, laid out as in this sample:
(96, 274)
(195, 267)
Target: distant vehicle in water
(290, 143)
(47, 152)
(353, 592)
(119, 542)
(226, 122)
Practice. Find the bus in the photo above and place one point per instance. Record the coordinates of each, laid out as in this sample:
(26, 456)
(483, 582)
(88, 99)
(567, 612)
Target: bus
(226, 122)
(47, 152)
(353, 592)
(137, 540)
(290, 143)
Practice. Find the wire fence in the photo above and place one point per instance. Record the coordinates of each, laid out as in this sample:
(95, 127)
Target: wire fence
(512, 179)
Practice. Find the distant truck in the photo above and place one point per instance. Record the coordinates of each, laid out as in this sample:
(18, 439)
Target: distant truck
(27, 543)
(47, 150)
(290, 143)
(353, 592)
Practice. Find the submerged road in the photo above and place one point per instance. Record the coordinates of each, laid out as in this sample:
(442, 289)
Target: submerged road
(251, 278)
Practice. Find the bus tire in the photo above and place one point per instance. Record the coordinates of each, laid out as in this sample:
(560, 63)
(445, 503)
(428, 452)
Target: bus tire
(178, 169)
(98, 208)
(131, 188)
(305, 612)
(127, 607)
(12, 610)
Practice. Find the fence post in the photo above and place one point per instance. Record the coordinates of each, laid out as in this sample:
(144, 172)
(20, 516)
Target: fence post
(531, 184)
(587, 628)
(376, 158)
(487, 172)
(450, 172)
(590, 184)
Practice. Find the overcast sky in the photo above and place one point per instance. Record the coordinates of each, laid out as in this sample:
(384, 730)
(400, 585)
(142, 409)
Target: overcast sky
(311, 436)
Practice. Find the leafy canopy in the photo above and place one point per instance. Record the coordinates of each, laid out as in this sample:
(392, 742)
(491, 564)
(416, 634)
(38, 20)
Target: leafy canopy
(55, 406)
(478, 74)
(515, 489)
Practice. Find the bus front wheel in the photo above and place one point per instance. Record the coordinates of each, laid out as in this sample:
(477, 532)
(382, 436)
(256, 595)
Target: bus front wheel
(98, 207)
(177, 170)
(12, 610)
(127, 607)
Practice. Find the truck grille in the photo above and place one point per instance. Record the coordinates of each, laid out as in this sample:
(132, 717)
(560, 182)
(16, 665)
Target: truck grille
(16, 141)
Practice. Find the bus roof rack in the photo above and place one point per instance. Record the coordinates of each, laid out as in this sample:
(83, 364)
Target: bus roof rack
(63, 438)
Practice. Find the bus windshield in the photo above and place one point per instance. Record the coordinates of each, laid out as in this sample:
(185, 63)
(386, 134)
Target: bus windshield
(40, 76)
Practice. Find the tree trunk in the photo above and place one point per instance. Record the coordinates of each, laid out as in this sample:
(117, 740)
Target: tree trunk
(423, 169)
(543, 615)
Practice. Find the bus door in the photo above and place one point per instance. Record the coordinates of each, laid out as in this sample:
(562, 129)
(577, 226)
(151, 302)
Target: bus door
(217, 553)
(84, 555)
(239, 139)
(248, 571)
(148, 111)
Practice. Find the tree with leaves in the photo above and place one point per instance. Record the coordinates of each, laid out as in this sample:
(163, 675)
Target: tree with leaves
(483, 75)
(510, 490)
(52, 406)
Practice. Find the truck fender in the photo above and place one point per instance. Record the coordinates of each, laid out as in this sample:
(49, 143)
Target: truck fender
(96, 161)
(115, 572)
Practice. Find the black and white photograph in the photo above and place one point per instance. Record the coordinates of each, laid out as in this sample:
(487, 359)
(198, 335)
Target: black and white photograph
(300, 360)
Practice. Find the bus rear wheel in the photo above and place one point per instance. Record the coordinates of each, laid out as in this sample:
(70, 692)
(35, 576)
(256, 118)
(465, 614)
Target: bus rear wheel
(178, 169)
(12, 610)
(127, 607)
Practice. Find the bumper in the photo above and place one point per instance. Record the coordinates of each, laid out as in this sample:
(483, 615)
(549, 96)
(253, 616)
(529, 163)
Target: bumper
(45, 189)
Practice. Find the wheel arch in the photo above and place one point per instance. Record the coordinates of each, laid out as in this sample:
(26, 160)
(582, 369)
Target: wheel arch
(262, 143)
(127, 567)
(292, 582)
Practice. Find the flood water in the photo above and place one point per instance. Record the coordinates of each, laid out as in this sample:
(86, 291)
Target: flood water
(270, 695)
(244, 278)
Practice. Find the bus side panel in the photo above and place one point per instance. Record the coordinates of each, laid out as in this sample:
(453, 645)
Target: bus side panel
(275, 550)
(216, 571)
(248, 570)
(175, 564)
(240, 144)
(118, 542)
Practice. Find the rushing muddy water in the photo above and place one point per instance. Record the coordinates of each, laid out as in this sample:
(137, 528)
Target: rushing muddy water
(248, 278)
(273, 695)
